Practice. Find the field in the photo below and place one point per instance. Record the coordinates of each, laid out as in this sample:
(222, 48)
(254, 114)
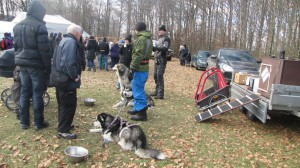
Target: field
(228, 140)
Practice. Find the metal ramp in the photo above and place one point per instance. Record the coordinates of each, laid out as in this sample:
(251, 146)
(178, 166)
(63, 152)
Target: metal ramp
(226, 107)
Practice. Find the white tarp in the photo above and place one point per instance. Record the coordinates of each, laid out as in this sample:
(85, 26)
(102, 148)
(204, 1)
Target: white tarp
(54, 23)
(6, 27)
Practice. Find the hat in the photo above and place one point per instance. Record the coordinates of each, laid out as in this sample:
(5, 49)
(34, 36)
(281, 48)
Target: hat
(140, 26)
(162, 27)
(128, 38)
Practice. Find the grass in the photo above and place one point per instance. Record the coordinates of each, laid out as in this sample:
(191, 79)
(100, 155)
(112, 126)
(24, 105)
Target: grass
(228, 140)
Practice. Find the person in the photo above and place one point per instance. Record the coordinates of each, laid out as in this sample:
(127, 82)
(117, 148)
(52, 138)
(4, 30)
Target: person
(182, 55)
(58, 39)
(67, 59)
(91, 48)
(103, 52)
(139, 71)
(161, 49)
(114, 54)
(188, 54)
(126, 52)
(33, 56)
(7, 41)
(51, 43)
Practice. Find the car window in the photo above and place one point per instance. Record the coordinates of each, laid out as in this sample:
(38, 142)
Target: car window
(232, 55)
(203, 54)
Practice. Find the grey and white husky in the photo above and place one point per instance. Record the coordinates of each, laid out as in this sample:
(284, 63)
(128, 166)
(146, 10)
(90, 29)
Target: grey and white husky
(122, 73)
(128, 136)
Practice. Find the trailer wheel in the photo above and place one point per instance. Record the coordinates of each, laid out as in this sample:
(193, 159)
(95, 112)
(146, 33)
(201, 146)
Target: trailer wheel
(250, 115)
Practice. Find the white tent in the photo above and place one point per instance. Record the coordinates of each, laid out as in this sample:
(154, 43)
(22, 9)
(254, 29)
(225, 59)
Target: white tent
(6, 27)
(54, 23)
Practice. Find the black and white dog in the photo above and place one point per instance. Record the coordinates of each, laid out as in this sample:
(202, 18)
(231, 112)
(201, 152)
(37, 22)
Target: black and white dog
(128, 136)
(122, 73)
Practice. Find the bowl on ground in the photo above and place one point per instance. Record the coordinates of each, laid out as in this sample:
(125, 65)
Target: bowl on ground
(89, 101)
(76, 154)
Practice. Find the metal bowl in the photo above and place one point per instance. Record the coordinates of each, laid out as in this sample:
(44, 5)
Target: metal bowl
(76, 153)
(89, 101)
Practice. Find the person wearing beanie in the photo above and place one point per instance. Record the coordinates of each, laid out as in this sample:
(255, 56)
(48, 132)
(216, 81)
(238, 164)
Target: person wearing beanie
(161, 49)
(103, 50)
(126, 52)
(139, 71)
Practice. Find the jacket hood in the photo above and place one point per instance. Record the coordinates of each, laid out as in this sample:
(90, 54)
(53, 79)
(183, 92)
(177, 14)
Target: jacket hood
(145, 33)
(37, 10)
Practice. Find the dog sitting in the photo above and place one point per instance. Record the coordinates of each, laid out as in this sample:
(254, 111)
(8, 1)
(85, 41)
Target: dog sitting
(122, 73)
(128, 136)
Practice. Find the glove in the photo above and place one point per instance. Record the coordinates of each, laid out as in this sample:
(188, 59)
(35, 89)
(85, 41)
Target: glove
(130, 75)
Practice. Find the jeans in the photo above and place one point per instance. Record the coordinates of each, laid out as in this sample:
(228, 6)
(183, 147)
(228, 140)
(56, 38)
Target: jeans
(114, 61)
(138, 90)
(32, 84)
(91, 63)
(67, 103)
(102, 59)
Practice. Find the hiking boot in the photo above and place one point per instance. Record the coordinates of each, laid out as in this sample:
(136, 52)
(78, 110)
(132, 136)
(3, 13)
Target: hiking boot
(132, 112)
(44, 125)
(158, 97)
(140, 116)
(67, 135)
(153, 94)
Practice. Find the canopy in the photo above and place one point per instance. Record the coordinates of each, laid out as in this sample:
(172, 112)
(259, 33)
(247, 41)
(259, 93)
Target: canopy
(6, 27)
(54, 23)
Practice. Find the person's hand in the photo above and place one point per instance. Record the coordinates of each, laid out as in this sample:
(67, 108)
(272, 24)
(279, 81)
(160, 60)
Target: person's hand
(130, 75)
(77, 79)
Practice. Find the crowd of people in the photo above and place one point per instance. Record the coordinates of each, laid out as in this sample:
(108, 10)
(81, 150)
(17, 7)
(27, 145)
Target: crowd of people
(58, 60)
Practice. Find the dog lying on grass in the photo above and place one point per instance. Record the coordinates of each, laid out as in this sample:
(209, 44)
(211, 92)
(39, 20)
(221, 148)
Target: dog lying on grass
(128, 136)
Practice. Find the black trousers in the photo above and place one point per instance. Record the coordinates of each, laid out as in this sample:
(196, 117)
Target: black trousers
(159, 71)
(67, 102)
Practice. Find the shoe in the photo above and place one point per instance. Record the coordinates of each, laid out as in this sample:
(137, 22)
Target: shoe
(132, 112)
(94, 69)
(66, 135)
(89, 69)
(24, 127)
(44, 125)
(72, 127)
(141, 115)
(153, 94)
(158, 97)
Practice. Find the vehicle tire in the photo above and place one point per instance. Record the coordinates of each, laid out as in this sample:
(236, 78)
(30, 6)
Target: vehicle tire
(46, 98)
(10, 104)
(250, 115)
(5, 93)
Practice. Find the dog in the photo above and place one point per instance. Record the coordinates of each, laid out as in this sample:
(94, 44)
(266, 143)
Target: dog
(128, 136)
(122, 73)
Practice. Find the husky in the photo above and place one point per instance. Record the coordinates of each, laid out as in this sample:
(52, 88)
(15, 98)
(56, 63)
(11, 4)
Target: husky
(128, 136)
(122, 73)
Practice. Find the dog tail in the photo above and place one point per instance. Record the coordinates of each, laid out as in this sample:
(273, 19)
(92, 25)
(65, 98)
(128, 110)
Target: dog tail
(150, 153)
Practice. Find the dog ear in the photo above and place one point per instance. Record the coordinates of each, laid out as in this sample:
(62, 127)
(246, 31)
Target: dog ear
(101, 117)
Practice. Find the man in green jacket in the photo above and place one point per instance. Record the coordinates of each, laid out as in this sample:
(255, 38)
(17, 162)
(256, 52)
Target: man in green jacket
(139, 69)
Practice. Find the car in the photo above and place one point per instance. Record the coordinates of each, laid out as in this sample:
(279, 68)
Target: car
(199, 60)
(229, 60)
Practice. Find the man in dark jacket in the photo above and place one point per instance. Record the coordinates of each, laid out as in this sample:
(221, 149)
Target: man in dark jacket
(161, 49)
(91, 48)
(33, 56)
(103, 52)
(67, 59)
(139, 70)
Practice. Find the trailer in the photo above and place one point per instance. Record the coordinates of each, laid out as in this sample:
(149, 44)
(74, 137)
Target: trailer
(276, 89)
